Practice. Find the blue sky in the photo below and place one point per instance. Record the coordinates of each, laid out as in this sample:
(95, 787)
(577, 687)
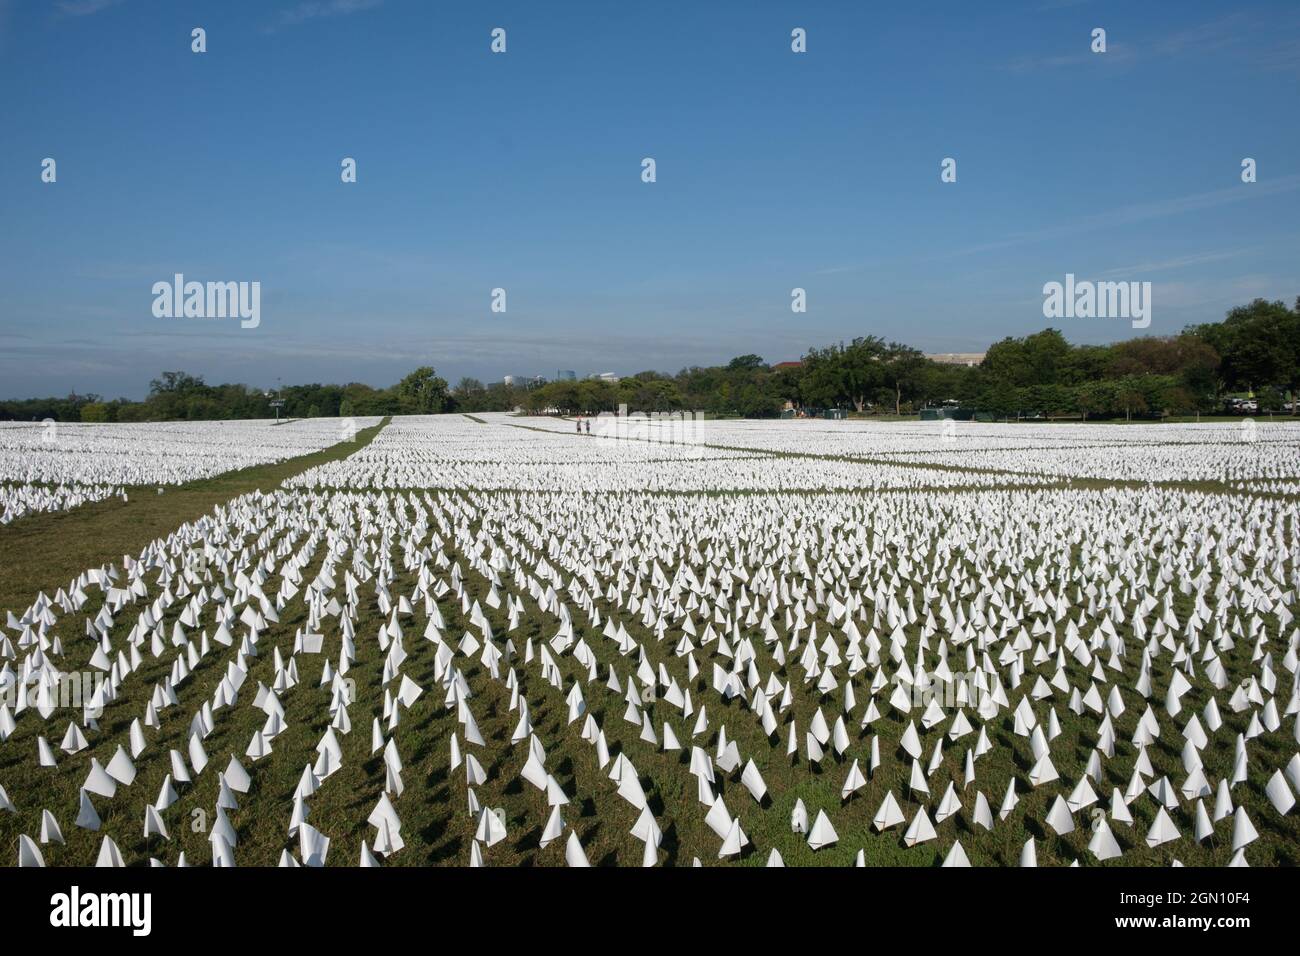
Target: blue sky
(522, 171)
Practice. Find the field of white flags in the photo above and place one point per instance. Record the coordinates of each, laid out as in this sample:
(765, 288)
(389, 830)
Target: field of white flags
(161, 453)
(499, 641)
(23, 499)
(55, 466)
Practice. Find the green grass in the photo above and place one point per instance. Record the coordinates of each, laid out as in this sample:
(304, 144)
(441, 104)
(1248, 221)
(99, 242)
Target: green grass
(45, 551)
(436, 826)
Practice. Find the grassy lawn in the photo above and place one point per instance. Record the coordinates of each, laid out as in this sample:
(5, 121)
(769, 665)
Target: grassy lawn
(46, 551)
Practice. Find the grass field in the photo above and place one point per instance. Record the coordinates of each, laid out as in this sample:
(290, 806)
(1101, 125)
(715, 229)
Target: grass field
(988, 548)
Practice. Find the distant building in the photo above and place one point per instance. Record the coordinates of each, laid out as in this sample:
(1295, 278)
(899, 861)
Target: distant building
(957, 358)
(606, 377)
(566, 375)
(509, 380)
(780, 365)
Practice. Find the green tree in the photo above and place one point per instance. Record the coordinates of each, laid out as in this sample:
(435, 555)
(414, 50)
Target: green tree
(1001, 398)
(824, 380)
(422, 392)
(1096, 398)
(1270, 400)
(175, 382)
(1045, 354)
(752, 402)
(903, 368)
(1005, 362)
(1133, 395)
(1259, 345)
(860, 371)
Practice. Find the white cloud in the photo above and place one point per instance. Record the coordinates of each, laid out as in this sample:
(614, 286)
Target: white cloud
(1180, 262)
(1142, 212)
(316, 9)
(84, 8)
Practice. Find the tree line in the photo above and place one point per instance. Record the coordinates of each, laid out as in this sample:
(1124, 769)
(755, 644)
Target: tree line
(180, 396)
(1255, 350)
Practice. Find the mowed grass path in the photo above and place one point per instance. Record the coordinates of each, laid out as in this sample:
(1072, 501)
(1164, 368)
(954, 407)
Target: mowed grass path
(47, 550)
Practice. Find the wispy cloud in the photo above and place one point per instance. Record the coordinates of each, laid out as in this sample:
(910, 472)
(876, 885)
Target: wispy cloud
(1059, 4)
(319, 9)
(1179, 262)
(1208, 295)
(1117, 54)
(1204, 37)
(1283, 55)
(1142, 212)
(84, 8)
(1236, 34)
